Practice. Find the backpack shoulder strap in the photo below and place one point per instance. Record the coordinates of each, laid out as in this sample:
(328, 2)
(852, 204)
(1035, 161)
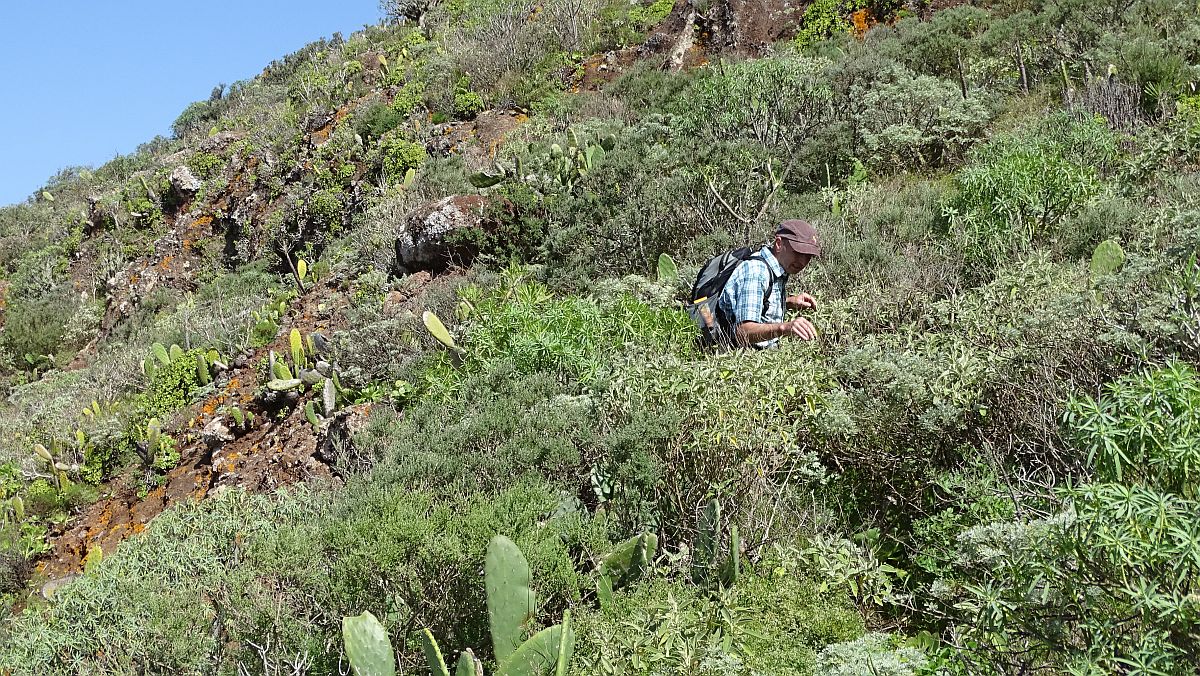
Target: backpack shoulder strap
(770, 282)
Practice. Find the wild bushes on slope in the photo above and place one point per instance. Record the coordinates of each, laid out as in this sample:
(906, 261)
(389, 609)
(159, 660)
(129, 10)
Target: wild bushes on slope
(1110, 583)
(261, 583)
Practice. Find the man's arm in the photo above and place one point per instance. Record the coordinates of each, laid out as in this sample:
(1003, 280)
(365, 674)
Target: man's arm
(749, 333)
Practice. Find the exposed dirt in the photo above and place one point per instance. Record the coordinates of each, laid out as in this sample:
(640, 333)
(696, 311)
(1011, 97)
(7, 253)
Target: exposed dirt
(276, 449)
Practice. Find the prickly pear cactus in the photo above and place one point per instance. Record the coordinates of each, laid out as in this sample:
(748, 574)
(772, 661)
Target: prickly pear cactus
(367, 646)
(704, 553)
(510, 601)
(310, 414)
(202, 366)
(160, 353)
(1107, 258)
(732, 568)
(297, 345)
(630, 559)
(667, 271)
(433, 654)
(468, 665)
(549, 649)
(435, 327)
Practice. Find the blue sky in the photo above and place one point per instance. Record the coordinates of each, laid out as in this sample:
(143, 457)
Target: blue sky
(84, 81)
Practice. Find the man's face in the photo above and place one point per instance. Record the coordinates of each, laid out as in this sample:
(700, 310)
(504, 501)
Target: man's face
(792, 261)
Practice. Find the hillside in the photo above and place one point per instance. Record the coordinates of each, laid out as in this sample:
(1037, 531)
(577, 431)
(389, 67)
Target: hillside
(415, 288)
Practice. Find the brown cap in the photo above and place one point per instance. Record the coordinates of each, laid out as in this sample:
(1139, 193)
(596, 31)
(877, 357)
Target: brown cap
(800, 236)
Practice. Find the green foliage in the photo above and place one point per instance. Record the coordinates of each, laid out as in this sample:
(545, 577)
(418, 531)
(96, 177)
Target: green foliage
(205, 165)
(398, 156)
(1020, 187)
(1119, 564)
(407, 558)
(379, 119)
(871, 655)
(911, 121)
(1143, 430)
(409, 98)
(772, 625)
(824, 18)
(648, 15)
(467, 104)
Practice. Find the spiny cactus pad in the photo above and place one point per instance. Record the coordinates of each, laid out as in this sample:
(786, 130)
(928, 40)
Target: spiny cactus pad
(368, 646)
(435, 327)
(433, 654)
(510, 601)
(1107, 258)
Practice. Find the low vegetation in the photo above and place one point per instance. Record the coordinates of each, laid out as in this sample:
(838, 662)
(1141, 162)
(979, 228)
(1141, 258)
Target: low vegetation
(987, 463)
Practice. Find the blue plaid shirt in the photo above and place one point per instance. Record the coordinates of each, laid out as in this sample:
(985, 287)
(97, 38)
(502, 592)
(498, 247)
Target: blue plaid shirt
(742, 298)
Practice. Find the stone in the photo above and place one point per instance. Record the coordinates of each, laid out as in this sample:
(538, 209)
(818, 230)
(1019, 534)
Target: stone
(422, 241)
(216, 433)
(183, 181)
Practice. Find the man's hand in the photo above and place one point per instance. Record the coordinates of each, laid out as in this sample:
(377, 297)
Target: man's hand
(749, 333)
(799, 328)
(801, 302)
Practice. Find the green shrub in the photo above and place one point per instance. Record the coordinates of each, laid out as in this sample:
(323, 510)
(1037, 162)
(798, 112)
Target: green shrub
(291, 566)
(33, 328)
(764, 625)
(871, 655)
(205, 165)
(1020, 187)
(378, 120)
(911, 121)
(399, 156)
(1106, 584)
(467, 104)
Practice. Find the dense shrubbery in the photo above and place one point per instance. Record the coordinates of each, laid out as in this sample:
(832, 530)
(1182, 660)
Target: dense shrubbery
(989, 453)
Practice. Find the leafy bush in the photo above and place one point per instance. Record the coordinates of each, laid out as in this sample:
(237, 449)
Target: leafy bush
(911, 121)
(398, 156)
(380, 119)
(764, 625)
(871, 655)
(290, 566)
(1020, 187)
(1105, 585)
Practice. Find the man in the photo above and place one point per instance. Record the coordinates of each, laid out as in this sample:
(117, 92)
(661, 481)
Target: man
(753, 299)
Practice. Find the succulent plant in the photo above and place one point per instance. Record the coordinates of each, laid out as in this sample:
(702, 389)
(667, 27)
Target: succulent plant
(510, 604)
(1107, 258)
(310, 414)
(296, 342)
(160, 353)
(368, 646)
(437, 329)
(667, 271)
(628, 562)
(708, 563)
(284, 384)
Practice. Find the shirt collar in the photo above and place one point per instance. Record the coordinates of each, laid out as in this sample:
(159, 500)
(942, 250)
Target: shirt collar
(772, 262)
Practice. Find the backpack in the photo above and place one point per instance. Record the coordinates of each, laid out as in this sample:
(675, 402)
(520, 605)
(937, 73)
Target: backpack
(703, 306)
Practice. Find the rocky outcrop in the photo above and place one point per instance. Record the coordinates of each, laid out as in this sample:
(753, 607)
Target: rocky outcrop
(183, 182)
(423, 242)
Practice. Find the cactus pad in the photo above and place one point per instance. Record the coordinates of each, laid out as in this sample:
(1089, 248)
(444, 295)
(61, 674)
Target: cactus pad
(367, 646)
(510, 601)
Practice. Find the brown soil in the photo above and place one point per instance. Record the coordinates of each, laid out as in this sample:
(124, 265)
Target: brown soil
(271, 452)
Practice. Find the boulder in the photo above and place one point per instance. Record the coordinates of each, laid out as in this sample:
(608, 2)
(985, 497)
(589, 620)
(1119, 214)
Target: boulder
(422, 242)
(184, 182)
